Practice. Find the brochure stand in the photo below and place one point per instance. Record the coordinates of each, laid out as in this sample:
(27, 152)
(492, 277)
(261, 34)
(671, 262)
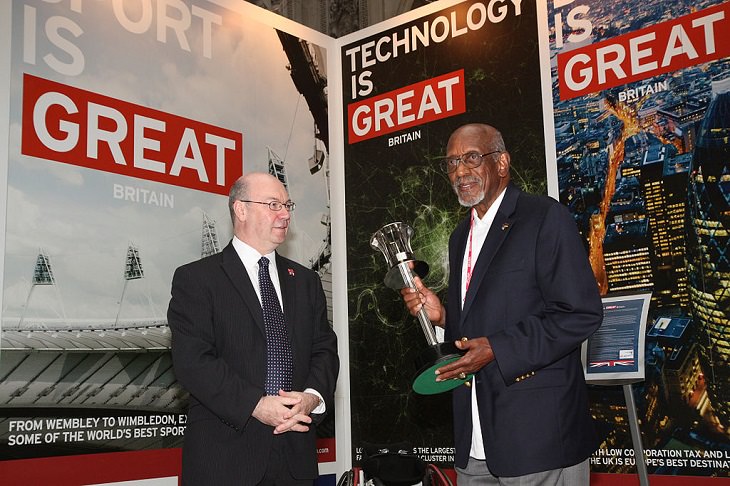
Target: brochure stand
(636, 435)
(614, 355)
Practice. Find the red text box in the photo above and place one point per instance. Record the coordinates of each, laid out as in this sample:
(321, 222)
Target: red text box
(689, 40)
(74, 126)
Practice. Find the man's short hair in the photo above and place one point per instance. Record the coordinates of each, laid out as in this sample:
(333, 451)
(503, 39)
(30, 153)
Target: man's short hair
(239, 190)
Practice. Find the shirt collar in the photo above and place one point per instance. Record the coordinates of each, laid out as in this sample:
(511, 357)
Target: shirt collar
(250, 257)
(491, 212)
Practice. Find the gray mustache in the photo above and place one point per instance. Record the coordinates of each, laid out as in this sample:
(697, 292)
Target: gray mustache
(466, 180)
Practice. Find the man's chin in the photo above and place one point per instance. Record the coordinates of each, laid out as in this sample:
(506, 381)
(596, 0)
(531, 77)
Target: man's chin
(468, 202)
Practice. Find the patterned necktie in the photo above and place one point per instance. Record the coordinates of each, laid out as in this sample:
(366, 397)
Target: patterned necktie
(279, 363)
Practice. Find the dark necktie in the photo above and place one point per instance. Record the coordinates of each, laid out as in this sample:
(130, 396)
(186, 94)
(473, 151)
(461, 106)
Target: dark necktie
(279, 364)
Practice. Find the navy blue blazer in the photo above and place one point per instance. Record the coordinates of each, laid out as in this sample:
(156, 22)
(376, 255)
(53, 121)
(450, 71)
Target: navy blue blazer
(219, 356)
(533, 294)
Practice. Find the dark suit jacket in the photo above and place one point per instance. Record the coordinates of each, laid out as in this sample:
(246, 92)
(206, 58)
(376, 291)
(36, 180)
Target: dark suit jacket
(219, 356)
(533, 294)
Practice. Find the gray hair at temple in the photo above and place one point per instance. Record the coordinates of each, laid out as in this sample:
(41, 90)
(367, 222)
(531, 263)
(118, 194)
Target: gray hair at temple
(239, 190)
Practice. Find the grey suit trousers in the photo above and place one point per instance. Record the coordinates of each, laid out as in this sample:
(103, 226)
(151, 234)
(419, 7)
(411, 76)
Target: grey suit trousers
(476, 473)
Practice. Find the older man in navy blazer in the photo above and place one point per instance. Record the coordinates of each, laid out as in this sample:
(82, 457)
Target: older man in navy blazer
(521, 300)
(238, 433)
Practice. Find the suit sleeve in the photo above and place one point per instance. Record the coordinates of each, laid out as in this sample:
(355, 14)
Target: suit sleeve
(324, 362)
(571, 310)
(198, 366)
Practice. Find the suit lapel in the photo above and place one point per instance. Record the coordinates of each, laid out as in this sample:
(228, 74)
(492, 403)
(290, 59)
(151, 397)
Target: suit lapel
(236, 272)
(498, 232)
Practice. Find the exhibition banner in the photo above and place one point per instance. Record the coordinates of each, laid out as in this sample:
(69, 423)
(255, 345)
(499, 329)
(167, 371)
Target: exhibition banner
(407, 84)
(128, 123)
(641, 110)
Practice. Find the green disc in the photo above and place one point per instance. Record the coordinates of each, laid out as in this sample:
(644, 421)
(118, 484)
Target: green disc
(426, 384)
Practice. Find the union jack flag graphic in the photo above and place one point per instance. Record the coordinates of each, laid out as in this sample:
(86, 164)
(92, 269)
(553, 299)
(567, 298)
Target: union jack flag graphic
(616, 362)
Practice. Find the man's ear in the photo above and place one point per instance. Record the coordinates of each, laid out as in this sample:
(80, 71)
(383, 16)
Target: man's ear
(238, 210)
(503, 162)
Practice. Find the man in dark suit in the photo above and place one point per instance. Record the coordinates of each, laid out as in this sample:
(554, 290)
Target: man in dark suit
(520, 301)
(221, 319)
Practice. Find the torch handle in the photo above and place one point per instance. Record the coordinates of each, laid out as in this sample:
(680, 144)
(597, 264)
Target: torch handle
(425, 322)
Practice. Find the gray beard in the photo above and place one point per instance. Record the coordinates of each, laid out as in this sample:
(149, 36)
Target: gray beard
(467, 203)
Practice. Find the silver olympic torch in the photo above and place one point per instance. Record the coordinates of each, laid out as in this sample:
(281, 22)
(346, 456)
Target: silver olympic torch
(394, 241)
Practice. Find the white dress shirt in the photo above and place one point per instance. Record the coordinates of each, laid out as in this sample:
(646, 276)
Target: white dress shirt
(250, 259)
(476, 240)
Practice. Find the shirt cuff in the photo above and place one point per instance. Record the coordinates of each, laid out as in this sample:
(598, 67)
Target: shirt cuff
(321, 408)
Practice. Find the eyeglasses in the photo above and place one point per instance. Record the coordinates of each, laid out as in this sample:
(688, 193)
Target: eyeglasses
(274, 205)
(471, 160)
